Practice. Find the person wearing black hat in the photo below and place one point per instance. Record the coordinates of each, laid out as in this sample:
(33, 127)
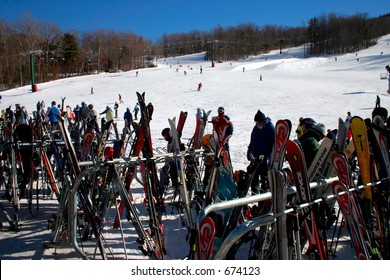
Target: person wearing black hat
(312, 134)
(170, 167)
(260, 150)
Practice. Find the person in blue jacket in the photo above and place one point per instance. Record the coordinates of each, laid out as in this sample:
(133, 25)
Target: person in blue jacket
(53, 115)
(260, 151)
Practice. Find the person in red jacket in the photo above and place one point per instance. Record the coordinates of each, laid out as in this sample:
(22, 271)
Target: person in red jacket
(225, 126)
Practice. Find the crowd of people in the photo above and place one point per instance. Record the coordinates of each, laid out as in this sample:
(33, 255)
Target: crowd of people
(81, 118)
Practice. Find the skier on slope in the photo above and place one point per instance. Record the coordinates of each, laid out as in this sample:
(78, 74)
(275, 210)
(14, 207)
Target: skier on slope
(135, 111)
(260, 151)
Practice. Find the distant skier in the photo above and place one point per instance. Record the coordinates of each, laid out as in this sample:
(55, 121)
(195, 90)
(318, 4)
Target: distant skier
(135, 111)
(120, 98)
(199, 86)
(378, 101)
(116, 106)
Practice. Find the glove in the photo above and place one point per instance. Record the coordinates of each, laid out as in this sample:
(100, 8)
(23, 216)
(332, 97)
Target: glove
(249, 155)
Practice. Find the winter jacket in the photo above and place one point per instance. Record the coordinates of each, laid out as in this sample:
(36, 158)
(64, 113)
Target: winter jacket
(225, 125)
(84, 112)
(128, 117)
(53, 113)
(92, 115)
(262, 140)
(109, 114)
(310, 145)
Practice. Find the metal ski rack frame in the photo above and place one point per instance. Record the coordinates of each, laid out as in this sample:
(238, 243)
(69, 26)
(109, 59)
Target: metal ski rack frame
(88, 168)
(269, 218)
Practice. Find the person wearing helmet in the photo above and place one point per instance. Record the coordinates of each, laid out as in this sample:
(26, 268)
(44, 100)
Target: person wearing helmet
(312, 134)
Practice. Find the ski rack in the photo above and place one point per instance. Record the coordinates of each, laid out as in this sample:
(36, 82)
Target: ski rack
(268, 218)
(15, 222)
(133, 161)
(146, 242)
(39, 142)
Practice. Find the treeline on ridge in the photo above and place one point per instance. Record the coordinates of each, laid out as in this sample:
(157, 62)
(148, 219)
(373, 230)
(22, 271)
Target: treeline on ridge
(55, 54)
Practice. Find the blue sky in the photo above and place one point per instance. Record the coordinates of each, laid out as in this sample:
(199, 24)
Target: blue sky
(152, 18)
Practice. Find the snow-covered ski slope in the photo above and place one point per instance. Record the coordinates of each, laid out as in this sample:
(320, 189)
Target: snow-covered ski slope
(323, 88)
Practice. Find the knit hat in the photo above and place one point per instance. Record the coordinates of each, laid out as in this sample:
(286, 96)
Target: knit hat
(308, 122)
(259, 117)
(221, 109)
(166, 132)
(319, 128)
